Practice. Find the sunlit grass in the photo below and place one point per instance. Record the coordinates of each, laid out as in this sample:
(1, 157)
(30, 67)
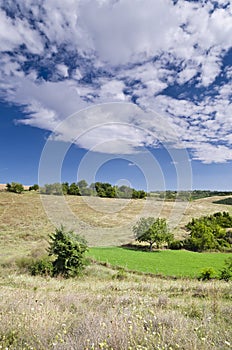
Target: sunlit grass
(165, 262)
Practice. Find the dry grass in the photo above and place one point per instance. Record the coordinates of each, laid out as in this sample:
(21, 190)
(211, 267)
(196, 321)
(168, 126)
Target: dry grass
(103, 309)
(28, 218)
(98, 311)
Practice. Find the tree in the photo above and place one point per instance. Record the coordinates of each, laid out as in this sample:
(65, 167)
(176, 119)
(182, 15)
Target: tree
(35, 187)
(74, 189)
(55, 188)
(153, 231)
(82, 184)
(105, 190)
(209, 232)
(68, 250)
(65, 188)
(15, 187)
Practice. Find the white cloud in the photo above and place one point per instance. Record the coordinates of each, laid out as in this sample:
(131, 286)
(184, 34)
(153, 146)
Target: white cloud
(16, 32)
(62, 70)
(120, 51)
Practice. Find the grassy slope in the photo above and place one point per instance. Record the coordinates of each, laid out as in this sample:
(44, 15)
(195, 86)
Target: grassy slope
(167, 262)
(99, 311)
(25, 219)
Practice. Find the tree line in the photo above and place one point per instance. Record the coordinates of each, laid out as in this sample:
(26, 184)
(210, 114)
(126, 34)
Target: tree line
(99, 189)
(81, 188)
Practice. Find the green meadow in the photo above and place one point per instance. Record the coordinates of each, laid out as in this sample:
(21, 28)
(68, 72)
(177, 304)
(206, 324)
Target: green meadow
(164, 262)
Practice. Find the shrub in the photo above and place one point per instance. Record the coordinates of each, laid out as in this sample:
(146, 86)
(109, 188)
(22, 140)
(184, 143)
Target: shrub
(120, 275)
(209, 232)
(176, 245)
(35, 187)
(42, 266)
(226, 272)
(15, 187)
(68, 250)
(207, 273)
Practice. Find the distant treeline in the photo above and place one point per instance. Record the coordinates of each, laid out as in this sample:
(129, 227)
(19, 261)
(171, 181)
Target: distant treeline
(227, 201)
(99, 189)
(188, 195)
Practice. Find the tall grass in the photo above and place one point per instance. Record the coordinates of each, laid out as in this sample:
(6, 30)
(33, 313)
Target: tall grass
(100, 311)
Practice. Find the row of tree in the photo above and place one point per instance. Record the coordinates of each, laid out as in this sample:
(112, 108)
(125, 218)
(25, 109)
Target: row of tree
(189, 195)
(82, 188)
(104, 190)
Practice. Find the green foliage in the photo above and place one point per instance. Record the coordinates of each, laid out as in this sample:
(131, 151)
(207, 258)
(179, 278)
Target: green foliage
(105, 190)
(81, 188)
(176, 244)
(55, 189)
(209, 232)
(226, 272)
(207, 273)
(41, 267)
(35, 187)
(82, 184)
(138, 194)
(67, 249)
(124, 192)
(226, 201)
(65, 188)
(74, 189)
(120, 275)
(15, 187)
(152, 230)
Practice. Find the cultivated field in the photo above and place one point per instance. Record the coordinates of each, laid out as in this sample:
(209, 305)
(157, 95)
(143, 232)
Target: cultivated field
(178, 263)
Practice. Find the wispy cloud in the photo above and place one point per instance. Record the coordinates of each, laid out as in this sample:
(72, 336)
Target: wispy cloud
(172, 60)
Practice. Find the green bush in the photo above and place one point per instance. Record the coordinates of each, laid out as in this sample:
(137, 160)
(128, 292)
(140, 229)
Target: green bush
(42, 266)
(226, 272)
(209, 232)
(207, 273)
(68, 252)
(120, 275)
(176, 244)
(15, 187)
(35, 187)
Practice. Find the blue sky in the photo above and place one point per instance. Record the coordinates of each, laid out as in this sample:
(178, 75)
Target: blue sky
(136, 92)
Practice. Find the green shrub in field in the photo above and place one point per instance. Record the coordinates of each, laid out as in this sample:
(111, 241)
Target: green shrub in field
(226, 272)
(176, 245)
(68, 252)
(66, 256)
(207, 273)
(209, 233)
(41, 267)
(120, 275)
(15, 187)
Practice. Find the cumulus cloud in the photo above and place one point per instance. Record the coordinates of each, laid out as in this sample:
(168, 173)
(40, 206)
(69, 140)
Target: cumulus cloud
(164, 62)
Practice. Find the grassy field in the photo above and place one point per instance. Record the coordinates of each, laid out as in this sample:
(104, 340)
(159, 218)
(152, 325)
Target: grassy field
(101, 311)
(104, 308)
(27, 219)
(166, 262)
